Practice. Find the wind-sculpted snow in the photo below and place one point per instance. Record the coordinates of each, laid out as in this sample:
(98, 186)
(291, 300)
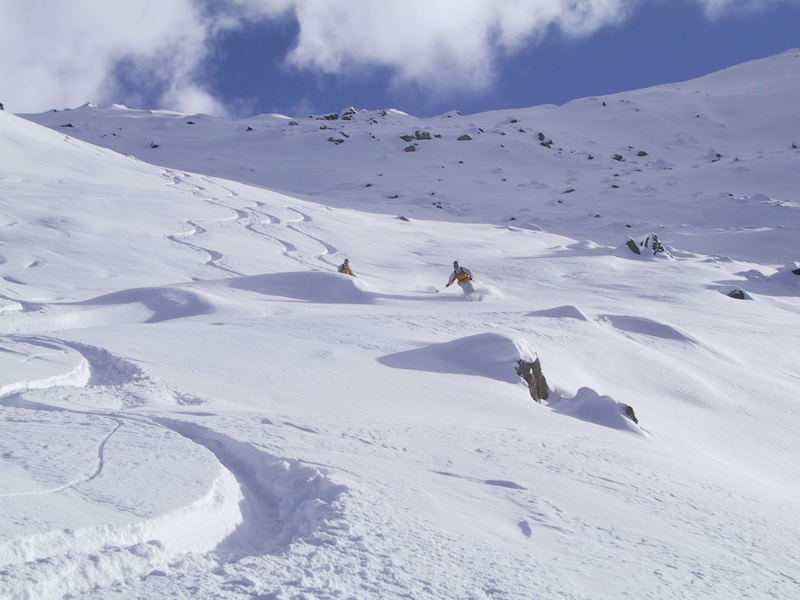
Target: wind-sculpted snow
(485, 355)
(560, 312)
(646, 327)
(784, 281)
(311, 286)
(164, 303)
(588, 405)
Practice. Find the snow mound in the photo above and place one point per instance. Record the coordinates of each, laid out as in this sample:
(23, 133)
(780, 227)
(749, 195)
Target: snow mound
(484, 355)
(165, 303)
(311, 286)
(560, 312)
(28, 363)
(788, 274)
(588, 405)
(644, 326)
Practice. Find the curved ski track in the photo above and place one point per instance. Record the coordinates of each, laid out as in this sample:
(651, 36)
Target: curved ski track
(281, 500)
(288, 233)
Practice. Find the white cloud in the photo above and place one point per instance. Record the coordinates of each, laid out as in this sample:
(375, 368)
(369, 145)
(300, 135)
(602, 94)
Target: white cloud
(58, 53)
(452, 43)
(715, 9)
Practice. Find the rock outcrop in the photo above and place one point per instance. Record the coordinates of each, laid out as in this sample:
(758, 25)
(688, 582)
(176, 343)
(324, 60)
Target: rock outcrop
(531, 372)
(649, 245)
(739, 294)
(627, 410)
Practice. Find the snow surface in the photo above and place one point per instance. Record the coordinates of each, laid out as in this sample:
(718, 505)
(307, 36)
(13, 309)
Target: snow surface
(195, 404)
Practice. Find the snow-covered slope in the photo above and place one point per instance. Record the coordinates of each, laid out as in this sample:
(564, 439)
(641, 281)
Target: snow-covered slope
(196, 404)
(687, 155)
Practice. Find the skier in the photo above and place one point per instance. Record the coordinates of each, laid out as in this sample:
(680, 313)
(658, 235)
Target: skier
(345, 267)
(463, 276)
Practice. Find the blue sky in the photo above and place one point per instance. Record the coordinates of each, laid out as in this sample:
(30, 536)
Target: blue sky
(244, 57)
(660, 43)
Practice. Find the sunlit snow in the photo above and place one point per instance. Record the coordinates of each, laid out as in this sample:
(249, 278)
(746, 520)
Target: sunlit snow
(196, 404)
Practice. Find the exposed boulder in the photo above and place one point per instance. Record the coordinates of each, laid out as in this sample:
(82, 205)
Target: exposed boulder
(618, 157)
(531, 372)
(633, 246)
(544, 140)
(1, 106)
(650, 245)
(627, 410)
(348, 113)
(410, 148)
(422, 135)
(652, 242)
(336, 141)
(464, 138)
(293, 123)
(739, 294)
(407, 138)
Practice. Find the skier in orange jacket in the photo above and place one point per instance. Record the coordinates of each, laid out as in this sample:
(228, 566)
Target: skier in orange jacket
(463, 276)
(345, 267)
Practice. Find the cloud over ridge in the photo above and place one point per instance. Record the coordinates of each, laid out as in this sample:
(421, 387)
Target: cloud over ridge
(58, 53)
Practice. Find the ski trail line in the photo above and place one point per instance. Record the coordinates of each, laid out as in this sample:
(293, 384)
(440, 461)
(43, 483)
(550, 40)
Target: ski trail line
(78, 480)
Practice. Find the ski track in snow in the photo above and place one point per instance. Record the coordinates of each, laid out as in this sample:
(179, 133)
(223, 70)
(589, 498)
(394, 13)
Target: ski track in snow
(283, 500)
(254, 220)
(117, 423)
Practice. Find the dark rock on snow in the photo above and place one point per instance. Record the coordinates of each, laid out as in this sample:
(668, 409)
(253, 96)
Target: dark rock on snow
(634, 247)
(531, 372)
(650, 242)
(628, 412)
(739, 294)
